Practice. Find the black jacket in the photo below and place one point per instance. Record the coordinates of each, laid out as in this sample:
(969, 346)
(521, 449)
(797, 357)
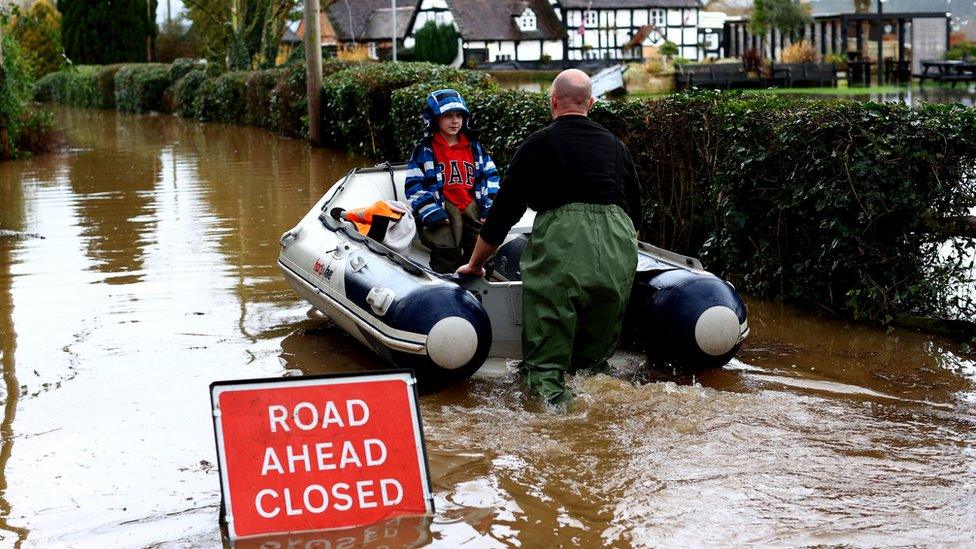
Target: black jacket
(572, 160)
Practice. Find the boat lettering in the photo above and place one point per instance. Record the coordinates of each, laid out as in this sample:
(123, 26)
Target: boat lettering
(321, 270)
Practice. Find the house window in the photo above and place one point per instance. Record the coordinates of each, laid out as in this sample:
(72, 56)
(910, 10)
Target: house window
(527, 21)
(658, 18)
(590, 18)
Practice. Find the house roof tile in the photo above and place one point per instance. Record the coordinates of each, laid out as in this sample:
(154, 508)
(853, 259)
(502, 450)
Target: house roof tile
(487, 20)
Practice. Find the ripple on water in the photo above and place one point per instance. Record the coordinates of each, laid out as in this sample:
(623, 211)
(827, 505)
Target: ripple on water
(662, 463)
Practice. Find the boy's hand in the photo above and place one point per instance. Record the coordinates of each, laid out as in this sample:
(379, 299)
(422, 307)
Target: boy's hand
(442, 223)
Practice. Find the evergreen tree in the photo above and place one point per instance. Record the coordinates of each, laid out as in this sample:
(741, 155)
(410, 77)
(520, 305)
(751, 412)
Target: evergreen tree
(107, 31)
(436, 43)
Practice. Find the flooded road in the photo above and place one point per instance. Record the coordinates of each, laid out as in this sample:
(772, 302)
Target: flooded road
(140, 267)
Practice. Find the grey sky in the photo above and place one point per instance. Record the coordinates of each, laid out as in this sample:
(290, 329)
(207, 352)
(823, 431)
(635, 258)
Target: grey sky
(175, 6)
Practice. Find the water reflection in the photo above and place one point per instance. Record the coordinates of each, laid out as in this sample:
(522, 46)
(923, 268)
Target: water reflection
(156, 276)
(915, 95)
(405, 532)
(909, 95)
(11, 219)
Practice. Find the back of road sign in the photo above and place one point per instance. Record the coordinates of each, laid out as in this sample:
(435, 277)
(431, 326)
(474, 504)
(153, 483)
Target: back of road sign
(314, 453)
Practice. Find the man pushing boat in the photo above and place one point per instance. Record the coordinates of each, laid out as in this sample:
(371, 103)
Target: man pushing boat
(579, 265)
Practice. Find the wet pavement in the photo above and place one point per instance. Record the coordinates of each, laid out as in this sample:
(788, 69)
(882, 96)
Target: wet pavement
(139, 267)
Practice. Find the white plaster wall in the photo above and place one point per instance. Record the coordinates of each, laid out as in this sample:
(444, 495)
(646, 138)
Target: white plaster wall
(674, 17)
(554, 48)
(591, 38)
(440, 17)
(505, 48)
(459, 59)
(623, 18)
(574, 39)
(529, 51)
(557, 9)
(674, 35)
(573, 18)
(623, 36)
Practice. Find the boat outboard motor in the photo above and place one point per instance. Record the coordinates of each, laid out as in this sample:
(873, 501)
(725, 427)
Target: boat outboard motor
(688, 319)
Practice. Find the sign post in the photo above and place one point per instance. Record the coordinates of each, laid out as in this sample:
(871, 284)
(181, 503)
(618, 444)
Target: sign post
(320, 452)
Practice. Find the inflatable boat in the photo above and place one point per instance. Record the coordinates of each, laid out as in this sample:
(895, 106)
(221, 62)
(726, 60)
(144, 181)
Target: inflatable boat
(444, 327)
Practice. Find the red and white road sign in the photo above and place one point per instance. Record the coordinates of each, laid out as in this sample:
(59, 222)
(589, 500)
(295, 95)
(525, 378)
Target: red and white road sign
(313, 453)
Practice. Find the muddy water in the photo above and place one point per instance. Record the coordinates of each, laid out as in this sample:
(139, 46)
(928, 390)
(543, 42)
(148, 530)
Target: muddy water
(140, 266)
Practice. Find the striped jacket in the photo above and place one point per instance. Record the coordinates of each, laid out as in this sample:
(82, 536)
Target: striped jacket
(425, 182)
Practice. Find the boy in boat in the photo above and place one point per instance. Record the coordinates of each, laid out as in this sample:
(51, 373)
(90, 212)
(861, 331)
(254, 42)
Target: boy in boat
(451, 182)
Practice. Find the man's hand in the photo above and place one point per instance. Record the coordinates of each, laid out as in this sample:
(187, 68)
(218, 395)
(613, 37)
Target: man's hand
(476, 265)
(471, 270)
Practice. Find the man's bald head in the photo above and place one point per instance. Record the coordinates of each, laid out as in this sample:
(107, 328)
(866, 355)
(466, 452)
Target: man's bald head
(571, 93)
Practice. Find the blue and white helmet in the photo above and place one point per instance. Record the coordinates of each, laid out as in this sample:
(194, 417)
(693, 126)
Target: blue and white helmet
(442, 102)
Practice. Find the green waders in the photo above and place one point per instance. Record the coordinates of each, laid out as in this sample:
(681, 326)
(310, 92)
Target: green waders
(577, 271)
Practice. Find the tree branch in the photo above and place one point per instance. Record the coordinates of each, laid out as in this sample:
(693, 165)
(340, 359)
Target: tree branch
(204, 10)
(949, 227)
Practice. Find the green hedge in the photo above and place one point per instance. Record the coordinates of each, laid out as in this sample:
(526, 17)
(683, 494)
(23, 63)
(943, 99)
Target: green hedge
(288, 104)
(104, 83)
(141, 88)
(258, 89)
(825, 203)
(356, 102)
(182, 67)
(24, 130)
(185, 92)
(221, 99)
(73, 86)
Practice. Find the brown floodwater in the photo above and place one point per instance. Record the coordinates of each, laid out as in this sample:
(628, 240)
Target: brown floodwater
(140, 266)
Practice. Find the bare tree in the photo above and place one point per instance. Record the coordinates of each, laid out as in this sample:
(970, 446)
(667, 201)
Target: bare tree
(241, 32)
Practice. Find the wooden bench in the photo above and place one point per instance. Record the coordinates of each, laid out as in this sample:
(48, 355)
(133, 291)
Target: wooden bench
(714, 75)
(799, 75)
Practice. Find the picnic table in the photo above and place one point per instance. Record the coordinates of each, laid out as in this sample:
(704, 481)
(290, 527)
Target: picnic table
(949, 70)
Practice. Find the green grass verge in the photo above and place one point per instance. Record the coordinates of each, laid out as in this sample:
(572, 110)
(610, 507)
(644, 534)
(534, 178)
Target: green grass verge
(523, 77)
